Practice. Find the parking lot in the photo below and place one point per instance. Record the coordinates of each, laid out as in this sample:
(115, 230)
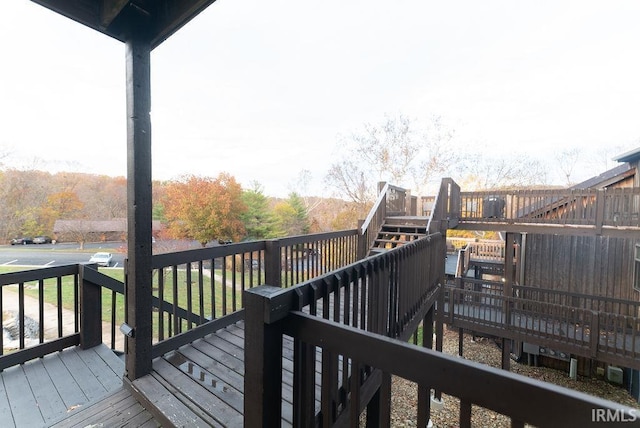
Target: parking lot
(58, 254)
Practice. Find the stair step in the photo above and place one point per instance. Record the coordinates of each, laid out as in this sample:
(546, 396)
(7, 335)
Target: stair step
(391, 241)
(386, 233)
(413, 229)
(415, 221)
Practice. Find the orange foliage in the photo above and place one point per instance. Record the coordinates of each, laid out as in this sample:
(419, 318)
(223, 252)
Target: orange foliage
(204, 208)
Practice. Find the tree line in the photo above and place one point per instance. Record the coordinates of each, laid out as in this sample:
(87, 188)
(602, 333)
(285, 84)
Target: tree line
(189, 207)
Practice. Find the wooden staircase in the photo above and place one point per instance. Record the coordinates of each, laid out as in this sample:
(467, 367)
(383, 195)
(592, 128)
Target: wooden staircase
(396, 231)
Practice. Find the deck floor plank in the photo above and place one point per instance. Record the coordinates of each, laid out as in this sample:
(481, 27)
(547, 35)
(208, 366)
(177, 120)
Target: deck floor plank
(220, 401)
(83, 375)
(230, 377)
(22, 402)
(70, 392)
(163, 397)
(6, 417)
(44, 390)
(101, 370)
(47, 397)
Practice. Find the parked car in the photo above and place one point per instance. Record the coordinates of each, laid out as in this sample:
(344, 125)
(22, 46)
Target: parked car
(22, 241)
(101, 259)
(42, 240)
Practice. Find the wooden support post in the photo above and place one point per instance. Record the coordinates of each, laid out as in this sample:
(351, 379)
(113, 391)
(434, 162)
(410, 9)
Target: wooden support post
(139, 205)
(600, 201)
(506, 354)
(273, 263)
(262, 361)
(304, 381)
(363, 244)
(440, 325)
(90, 312)
(509, 248)
(379, 408)
(424, 391)
(461, 341)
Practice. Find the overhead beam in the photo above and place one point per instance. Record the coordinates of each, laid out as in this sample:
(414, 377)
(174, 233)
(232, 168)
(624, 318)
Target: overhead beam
(115, 17)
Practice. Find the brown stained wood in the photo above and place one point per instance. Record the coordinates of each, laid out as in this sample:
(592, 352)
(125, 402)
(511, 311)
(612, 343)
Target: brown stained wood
(599, 266)
(139, 205)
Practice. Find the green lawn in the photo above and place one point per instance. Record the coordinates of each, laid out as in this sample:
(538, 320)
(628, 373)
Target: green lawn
(211, 302)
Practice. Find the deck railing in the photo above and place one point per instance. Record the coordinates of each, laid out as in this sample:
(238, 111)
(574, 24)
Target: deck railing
(575, 329)
(201, 286)
(346, 318)
(47, 310)
(388, 294)
(586, 207)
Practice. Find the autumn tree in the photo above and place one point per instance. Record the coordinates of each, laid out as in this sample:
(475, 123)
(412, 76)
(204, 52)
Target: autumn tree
(204, 208)
(60, 205)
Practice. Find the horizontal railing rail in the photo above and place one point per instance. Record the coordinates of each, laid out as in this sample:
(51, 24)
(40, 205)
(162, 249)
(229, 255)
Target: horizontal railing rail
(43, 307)
(546, 404)
(200, 286)
(43, 311)
(387, 294)
(585, 207)
(604, 336)
(603, 304)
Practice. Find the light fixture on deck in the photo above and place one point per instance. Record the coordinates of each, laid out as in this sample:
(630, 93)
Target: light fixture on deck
(127, 330)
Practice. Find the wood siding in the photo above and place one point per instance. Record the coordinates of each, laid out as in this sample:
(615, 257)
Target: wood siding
(599, 266)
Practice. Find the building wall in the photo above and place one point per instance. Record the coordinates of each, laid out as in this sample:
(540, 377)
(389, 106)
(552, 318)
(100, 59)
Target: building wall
(601, 266)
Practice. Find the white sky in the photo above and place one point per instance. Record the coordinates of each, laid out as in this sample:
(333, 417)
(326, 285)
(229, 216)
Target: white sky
(261, 89)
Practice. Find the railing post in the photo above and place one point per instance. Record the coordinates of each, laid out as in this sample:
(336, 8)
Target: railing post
(363, 242)
(600, 202)
(273, 263)
(424, 391)
(509, 246)
(90, 311)
(262, 361)
(594, 332)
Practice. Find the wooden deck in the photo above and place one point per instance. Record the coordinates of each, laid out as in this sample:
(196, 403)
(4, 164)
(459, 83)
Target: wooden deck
(202, 384)
(48, 390)
(614, 346)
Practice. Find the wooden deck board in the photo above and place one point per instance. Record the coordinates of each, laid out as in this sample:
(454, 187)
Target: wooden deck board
(219, 400)
(49, 401)
(207, 377)
(83, 375)
(21, 398)
(70, 393)
(162, 401)
(44, 390)
(118, 409)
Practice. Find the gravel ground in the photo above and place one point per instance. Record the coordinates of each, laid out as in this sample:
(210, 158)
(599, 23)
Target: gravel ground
(404, 393)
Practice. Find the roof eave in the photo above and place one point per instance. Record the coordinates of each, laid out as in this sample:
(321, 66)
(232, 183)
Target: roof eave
(112, 17)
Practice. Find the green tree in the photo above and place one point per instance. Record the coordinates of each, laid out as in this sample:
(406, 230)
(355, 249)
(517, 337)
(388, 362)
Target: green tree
(259, 221)
(204, 208)
(292, 215)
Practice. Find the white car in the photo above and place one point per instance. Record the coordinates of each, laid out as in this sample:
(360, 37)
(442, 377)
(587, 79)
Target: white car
(101, 259)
